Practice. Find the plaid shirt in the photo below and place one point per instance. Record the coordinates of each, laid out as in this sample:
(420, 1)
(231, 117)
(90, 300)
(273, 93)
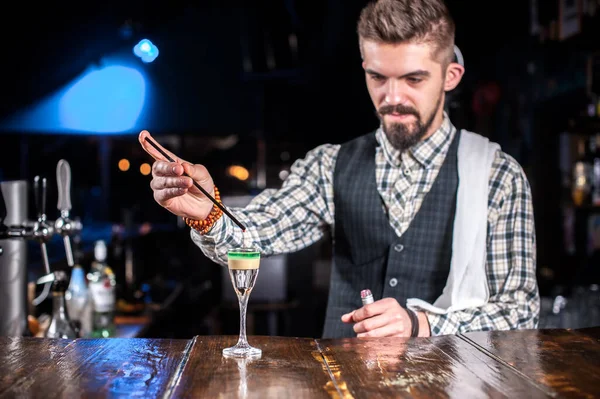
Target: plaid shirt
(302, 211)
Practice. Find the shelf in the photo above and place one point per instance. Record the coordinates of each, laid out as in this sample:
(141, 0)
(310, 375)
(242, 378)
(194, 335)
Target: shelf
(584, 125)
(591, 209)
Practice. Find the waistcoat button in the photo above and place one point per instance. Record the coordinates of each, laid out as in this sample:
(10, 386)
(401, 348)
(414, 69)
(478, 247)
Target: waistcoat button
(398, 247)
(393, 282)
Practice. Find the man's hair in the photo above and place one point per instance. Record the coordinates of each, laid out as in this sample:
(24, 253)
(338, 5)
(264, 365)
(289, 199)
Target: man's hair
(418, 21)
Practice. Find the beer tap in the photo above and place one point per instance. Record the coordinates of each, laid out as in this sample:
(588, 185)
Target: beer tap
(6, 231)
(3, 227)
(13, 262)
(42, 230)
(63, 225)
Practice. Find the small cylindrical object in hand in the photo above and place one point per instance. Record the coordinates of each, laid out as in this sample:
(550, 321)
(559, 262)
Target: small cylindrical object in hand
(366, 297)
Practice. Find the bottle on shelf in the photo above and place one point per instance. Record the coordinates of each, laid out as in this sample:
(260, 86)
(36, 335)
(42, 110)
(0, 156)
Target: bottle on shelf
(595, 169)
(79, 301)
(592, 106)
(130, 298)
(131, 301)
(102, 286)
(60, 325)
(581, 187)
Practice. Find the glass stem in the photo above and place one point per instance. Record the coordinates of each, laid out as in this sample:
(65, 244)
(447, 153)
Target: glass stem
(243, 301)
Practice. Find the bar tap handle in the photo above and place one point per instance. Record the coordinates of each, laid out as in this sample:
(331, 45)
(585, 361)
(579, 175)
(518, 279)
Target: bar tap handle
(63, 225)
(63, 179)
(42, 230)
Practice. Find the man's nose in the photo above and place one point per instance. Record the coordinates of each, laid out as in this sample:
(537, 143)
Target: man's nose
(393, 93)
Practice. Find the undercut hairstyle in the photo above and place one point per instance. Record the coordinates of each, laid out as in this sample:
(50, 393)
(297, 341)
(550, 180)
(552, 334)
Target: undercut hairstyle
(416, 21)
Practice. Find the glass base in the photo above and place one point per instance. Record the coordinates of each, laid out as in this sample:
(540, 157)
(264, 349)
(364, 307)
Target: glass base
(242, 350)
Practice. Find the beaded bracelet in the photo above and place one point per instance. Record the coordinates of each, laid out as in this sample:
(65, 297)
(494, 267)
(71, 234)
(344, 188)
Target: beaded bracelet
(203, 226)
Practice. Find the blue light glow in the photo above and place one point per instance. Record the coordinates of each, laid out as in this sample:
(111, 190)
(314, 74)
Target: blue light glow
(146, 50)
(107, 100)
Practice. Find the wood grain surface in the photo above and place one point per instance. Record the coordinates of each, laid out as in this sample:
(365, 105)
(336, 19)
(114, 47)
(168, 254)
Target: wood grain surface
(53, 368)
(288, 368)
(501, 364)
(563, 361)
(437, 367)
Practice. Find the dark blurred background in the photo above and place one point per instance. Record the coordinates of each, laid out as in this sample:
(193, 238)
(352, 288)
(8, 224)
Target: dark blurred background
(248, 87)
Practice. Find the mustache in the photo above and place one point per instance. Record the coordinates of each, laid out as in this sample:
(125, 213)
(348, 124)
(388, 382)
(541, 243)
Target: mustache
(399, 109)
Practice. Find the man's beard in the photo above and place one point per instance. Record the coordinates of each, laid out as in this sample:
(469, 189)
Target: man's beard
(403, 136)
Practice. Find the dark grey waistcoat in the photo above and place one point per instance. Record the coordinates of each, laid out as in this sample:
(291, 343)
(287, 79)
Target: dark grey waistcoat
(367, 251)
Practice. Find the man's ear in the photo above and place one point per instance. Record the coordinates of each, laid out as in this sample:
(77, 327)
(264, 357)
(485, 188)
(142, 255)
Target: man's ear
(454, 74)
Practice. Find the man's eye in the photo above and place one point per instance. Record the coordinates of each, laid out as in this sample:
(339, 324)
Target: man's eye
(415, 80)
(377, 77)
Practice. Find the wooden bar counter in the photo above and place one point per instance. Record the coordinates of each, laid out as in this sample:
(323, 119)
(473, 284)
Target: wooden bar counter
(503, 364)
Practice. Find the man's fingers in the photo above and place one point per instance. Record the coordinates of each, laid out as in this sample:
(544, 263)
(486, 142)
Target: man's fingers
(153, 151)
(372, 323)
(373, 309)
(161, 183)
(347, 318)
(197, 172)
(164, 168)
(390, 330)
(162, 196)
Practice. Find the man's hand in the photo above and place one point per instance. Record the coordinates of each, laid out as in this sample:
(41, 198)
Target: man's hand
(383, 318)
(172, 189)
